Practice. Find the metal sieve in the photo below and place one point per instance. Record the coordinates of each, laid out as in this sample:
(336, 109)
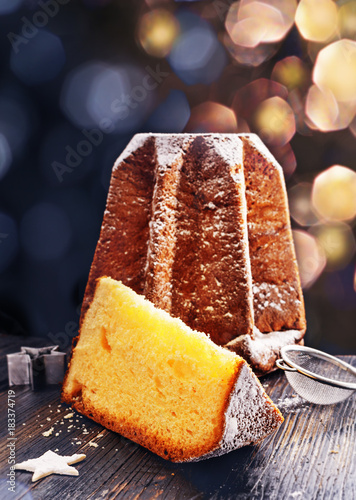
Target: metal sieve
(316, 376)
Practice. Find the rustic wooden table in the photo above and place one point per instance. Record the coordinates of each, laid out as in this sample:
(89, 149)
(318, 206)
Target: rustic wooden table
(312, 456)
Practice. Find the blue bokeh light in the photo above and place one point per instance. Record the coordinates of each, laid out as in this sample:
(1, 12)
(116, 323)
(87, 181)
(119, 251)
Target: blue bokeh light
(9, 6)
(39, 60)
(113, 98)
(15, 123)
(8, 241)
(45, 232)
(197, 55)
(171, 115)
(63, 159)
(5, 156)
(96, 4)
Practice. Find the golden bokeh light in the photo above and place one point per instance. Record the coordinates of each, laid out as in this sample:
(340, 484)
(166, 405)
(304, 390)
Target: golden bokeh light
(334, 194)
(316, 20)
(335, 69)
(212, 117)
(352, 127)
(347, 20)
(274, 121)
(157, 32)
(252, 31)
(252, 22)
(325, 112)
(300, 204)
(337, 242)
(310, 256)
(248, 97)
(296, 100)
(286, 7)
(264, 22)
(321, 108)
(232, 19)
(250, 56)
(290, 72)
(346, 114)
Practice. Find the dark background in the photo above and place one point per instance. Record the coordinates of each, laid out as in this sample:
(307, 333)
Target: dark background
(59, 82)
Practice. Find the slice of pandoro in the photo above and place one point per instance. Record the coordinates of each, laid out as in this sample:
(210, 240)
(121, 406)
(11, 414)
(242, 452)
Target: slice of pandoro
(146, 375)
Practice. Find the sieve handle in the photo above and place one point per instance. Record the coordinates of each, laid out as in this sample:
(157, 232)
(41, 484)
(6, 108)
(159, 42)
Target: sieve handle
(283, 366)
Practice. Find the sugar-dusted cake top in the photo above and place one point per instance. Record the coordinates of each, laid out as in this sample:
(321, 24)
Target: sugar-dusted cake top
(169, 144)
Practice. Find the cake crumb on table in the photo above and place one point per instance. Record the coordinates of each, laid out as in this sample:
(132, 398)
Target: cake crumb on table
(48, 433)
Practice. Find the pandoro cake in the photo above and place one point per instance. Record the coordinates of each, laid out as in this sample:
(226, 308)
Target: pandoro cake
(148, 376)
(199, 225)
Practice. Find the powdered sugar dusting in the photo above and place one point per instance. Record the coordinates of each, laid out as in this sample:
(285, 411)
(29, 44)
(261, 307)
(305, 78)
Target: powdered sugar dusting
(264, 343)
(296, 494)
(162, 226)
(292, 404)
(263, 349)
(136, 142)
(170, 151)
(229, 147)
(248, 418)
(261, 148)
(275, 297)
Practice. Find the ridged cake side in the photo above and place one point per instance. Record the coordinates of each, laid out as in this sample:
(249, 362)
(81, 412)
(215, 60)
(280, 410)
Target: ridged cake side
(163, 221)
(182, 239)
(279, 314)
(277, 294)
(210, 274)
(122, 247)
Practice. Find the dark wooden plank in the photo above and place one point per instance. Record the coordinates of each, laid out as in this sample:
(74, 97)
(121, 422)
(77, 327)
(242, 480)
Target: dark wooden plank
(311, 456)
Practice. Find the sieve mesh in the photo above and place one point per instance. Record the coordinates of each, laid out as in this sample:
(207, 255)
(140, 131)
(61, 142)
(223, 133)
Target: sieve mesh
(320, 365)
(327, 371)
